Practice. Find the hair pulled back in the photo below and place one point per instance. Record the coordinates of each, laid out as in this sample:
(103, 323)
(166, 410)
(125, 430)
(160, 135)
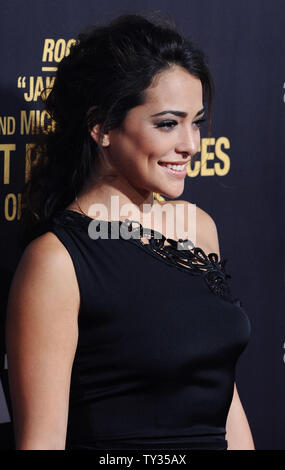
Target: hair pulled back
(106, 73)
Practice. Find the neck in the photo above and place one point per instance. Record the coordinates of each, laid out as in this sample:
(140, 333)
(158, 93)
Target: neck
(115, 200)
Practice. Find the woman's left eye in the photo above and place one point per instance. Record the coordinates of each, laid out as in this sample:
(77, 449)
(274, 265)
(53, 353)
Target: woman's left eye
(199, 122)
(170, 124)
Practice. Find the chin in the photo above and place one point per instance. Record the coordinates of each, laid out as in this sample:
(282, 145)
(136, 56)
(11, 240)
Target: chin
(171, 194)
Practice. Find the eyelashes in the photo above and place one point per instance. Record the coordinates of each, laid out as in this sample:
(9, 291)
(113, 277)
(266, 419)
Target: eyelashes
(199, 121)
(169, 124)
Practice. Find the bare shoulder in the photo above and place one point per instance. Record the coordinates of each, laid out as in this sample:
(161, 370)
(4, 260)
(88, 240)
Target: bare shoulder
(41, 341)
(206, 229)
(47, 249)
(47, 266)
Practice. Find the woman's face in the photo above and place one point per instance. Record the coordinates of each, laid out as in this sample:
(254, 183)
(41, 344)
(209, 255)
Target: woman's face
(144, 143)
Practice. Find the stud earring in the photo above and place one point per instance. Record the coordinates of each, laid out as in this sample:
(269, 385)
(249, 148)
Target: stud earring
(105, 141)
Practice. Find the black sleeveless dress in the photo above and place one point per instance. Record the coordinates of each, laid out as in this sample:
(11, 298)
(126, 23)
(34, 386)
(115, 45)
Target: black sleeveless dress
(159, 338)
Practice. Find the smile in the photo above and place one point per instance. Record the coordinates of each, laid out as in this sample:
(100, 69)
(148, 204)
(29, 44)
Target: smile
(179, 171)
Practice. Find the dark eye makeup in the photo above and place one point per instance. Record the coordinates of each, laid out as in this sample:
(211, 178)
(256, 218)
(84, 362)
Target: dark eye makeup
(169, 124)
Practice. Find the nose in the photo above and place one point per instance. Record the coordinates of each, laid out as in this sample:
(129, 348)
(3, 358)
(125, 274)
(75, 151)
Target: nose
(188, 142)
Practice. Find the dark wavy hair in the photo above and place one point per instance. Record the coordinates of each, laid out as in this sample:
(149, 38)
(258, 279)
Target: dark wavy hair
(105, 75)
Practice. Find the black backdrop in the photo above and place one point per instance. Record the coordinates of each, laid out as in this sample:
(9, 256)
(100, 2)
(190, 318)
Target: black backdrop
(242, 188)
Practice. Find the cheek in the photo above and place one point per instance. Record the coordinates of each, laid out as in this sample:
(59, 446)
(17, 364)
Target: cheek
(152, 144)
(136, 149)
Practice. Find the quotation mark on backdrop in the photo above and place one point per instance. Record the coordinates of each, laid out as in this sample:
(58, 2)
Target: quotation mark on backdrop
(22, 82)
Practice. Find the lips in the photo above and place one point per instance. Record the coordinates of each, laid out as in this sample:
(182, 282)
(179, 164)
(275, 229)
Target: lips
(174, 163)
(172, 172)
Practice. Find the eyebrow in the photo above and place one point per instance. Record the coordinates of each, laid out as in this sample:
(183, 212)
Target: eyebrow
(177, 113)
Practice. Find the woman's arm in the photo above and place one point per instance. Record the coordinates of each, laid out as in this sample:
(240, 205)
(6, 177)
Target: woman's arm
(41, 339)
(238, 432)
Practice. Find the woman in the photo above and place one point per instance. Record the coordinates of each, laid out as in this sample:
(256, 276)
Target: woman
(108, 347)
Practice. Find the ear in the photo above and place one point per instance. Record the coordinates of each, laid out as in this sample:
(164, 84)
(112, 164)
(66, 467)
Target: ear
(95, 134)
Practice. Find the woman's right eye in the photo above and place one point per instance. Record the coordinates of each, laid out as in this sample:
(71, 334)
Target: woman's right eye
(166, 124)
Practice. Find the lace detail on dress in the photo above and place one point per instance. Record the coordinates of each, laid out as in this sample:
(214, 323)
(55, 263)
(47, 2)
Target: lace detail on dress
(181, 254)
(177, 253)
